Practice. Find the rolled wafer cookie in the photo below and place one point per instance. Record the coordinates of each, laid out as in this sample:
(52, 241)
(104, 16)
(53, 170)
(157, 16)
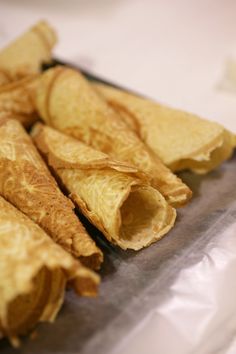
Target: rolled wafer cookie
(16, 101)
(182, 140)
(34, 272)
(66, 101)
(26, 54)
(114, 196)
(26, 182)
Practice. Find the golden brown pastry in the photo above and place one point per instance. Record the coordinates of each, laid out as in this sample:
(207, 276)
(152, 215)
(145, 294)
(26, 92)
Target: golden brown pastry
(16, 101)
(26, 182)
(182, 140)
(114, 196)
(5, 77)
(33, 272)
(66, 101)
(26, 54)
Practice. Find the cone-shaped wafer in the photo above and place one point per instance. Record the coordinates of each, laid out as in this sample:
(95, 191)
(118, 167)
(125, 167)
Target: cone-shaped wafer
(66, 101)
(26, 54)
(16, 101)
(33, 272)
(182, 140)
(26, 182)
(111, 194)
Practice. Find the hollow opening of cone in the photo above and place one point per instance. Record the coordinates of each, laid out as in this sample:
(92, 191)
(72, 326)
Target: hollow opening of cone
(141, 217)
(28, 308)
(25, 310)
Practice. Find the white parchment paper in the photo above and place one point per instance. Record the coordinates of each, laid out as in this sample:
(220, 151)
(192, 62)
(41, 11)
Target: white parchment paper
(198, 313)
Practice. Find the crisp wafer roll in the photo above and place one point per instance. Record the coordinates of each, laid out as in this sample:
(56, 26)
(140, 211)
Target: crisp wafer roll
(114, 196)
(26, 54)
(26, 182)
(66, 101)
(16, 101)
(33, 272)
(182, 140)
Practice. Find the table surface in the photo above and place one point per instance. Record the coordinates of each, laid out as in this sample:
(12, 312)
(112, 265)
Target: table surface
(172, 51)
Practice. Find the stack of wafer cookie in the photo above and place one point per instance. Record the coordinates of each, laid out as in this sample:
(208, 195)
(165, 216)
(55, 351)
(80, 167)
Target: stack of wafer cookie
(88, 146)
